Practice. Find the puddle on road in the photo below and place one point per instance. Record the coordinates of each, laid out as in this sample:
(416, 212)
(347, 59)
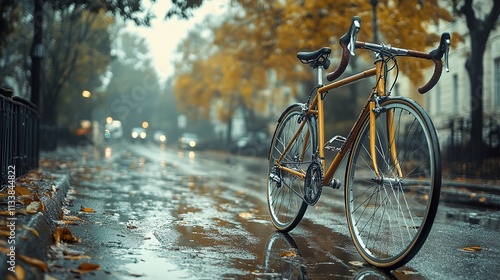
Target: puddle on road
(149, 265)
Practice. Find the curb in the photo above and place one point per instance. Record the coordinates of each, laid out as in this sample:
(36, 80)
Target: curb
(43, 223)
(463, 193)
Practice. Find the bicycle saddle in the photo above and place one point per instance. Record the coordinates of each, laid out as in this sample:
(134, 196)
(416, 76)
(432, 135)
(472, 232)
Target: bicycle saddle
(316, 58)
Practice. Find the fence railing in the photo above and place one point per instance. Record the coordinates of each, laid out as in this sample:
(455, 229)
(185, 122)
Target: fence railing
(19, 133)
(458, 152)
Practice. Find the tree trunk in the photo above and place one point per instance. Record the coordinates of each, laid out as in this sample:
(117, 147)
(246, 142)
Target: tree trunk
(474, 67)
(479, 30)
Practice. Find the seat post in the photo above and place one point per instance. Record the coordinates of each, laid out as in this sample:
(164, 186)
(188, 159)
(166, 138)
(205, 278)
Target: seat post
(320, 75)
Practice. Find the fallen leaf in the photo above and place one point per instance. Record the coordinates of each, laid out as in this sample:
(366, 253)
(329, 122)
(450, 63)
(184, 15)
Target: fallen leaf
(89, 266)
(288, 254)
(357, 263)
(130, 226)
(76, 257)
(32, 230)
(20, 273)
(37, 198)
(47, 193)
(34, 207)
(246, 215)
(64, 234)
(4, 250)
(472, 249)
(7, 213)
(87, 209)
(86, 267)
(36, 262)
(20, 191)
(71, 220)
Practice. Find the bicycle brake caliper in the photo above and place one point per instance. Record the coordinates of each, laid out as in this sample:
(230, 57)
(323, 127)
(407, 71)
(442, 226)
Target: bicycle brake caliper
(304, 109)
(378, 109)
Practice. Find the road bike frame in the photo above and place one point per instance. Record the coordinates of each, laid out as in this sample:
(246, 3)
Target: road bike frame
(317, 108)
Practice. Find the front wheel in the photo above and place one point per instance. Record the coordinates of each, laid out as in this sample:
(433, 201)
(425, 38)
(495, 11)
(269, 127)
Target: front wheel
(294, 142)
(390, 212)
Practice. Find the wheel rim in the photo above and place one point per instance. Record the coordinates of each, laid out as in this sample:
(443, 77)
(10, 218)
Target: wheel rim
(390, 217)
(285, 201)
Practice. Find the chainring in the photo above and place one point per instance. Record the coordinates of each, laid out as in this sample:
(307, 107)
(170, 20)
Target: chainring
(313, 184)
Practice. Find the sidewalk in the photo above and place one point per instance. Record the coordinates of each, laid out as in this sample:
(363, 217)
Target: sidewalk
(41, 194)
(26, 231)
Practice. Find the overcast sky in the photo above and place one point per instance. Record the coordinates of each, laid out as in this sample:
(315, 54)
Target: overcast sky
(163, 36)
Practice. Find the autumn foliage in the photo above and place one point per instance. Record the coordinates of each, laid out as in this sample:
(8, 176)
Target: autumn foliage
(249, 59)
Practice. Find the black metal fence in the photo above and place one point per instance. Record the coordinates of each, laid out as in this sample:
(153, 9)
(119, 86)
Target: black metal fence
(19, 133)
(457, 153)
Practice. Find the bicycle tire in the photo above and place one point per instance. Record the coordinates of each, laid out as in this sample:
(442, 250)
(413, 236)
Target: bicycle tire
(286, 206)
(390, 218)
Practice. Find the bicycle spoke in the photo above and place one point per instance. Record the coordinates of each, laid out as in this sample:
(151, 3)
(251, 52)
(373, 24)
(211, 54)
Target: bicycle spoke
(386, 215)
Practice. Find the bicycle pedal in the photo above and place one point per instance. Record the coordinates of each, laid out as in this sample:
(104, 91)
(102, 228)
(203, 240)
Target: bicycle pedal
(338, 139)
(335, 183)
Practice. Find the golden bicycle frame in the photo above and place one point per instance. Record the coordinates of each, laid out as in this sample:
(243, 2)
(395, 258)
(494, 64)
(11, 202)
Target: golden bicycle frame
(379, 90)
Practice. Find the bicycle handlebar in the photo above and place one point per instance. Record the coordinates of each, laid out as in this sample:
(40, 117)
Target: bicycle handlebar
(347, 45)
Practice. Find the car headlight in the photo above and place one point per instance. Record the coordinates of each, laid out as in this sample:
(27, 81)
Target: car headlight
(192, 143)
(135, 134)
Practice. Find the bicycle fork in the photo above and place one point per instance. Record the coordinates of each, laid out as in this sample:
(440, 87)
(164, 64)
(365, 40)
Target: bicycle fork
(375, 108)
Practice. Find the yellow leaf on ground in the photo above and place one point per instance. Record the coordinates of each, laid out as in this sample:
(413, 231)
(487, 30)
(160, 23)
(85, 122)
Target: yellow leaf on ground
(86, 267)
(22, 191)
(87, 209)
(34, 207)
(64, 234)
(71, 220)
(472, 249)
(288, 254)
(357, 263)
(36, 262)
(20, 273)
(32, 230)
(89, 266)
(4, 250)
(76, 257)
(246, 215)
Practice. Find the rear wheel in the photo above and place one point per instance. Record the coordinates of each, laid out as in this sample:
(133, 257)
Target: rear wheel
(390, 215)
(285, 190)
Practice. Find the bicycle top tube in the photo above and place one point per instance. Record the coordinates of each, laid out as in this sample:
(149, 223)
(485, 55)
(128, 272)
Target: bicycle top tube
(348, 43)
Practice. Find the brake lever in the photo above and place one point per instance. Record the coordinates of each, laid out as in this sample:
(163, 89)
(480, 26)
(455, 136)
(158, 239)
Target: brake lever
(447, 42)
(355, 27)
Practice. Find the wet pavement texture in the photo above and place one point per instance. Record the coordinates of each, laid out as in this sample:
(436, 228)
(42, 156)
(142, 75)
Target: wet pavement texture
(161, 213)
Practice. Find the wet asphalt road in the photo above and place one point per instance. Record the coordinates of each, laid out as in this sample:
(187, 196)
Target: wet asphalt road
(165, 214)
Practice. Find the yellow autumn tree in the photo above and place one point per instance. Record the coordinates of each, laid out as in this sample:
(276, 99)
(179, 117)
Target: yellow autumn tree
(254, 47)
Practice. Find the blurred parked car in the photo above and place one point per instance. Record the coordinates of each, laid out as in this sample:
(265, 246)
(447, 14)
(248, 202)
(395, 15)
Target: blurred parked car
(113, 130)
(190, 141)
(160, 136)
(138, 133)
(252, 144)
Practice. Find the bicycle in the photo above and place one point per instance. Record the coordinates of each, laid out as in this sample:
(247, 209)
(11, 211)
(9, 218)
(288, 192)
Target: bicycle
(393, 172)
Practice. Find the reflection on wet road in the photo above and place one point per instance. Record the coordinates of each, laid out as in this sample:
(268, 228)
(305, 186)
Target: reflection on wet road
(167, 214)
